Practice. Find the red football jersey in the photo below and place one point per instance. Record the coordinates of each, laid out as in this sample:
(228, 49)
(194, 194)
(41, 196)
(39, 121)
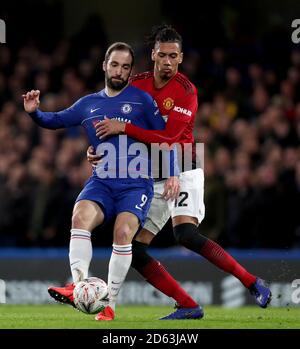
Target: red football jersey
(177, 102)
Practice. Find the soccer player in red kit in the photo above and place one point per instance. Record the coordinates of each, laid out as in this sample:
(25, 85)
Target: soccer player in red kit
(176, 97)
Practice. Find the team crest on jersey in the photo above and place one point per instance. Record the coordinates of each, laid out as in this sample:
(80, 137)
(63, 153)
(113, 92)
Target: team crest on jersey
(126, 108)
(168, 103)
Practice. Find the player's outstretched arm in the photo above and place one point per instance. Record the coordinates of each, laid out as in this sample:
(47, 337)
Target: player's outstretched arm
(179, 119)
(170, 135)
(31, 101)
(51, 120)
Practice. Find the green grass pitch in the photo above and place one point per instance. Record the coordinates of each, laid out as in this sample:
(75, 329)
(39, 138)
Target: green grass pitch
(146, 317)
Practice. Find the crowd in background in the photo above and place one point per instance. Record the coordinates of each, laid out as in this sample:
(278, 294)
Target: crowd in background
(248, 118)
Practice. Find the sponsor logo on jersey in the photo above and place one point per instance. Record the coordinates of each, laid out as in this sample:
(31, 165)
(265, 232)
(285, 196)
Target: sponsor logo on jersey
(95, 122)
(126, 108)
(183, 111)
(168, 103)
(121, 119)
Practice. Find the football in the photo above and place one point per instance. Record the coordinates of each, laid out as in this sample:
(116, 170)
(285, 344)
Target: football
(90, 295)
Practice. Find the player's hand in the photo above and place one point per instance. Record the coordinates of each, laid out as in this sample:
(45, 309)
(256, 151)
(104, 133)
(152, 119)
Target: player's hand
(109, 127)
(171, 188)
(92, 158)
(31, 101)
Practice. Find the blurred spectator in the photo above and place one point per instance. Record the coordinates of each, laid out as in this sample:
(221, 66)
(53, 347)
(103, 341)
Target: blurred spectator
(46, 204)
(270, 214)
(239, 216)
(215, 201)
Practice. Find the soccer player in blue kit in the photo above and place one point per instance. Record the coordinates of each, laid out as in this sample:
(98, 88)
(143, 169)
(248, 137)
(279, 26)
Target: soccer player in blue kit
(124, 197)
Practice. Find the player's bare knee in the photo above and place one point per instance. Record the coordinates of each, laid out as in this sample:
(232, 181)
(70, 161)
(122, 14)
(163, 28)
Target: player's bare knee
(78, 220)
(123, 234)
(86, 215)
(82, 219)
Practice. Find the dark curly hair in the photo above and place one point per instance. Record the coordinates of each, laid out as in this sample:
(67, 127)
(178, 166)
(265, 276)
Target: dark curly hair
(164, 33)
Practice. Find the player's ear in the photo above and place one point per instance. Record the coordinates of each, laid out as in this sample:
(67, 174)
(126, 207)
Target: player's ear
(104, 66)
(153, 55)
(180, 57)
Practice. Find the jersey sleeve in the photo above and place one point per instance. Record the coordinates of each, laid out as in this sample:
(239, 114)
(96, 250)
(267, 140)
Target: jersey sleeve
(62, 119)
(178, 119)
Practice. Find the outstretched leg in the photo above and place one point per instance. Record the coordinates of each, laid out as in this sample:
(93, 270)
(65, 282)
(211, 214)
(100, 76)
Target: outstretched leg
(155, 273)
(86, 216)
(187, 235)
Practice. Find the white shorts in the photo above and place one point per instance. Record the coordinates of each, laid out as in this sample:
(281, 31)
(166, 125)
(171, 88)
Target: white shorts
(189, 203)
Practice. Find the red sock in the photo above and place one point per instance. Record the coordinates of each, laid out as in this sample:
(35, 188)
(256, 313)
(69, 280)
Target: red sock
(219, 257)
(158, 277)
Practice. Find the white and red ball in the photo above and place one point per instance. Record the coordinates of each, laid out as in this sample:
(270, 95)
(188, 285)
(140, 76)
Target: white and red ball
(90, 295)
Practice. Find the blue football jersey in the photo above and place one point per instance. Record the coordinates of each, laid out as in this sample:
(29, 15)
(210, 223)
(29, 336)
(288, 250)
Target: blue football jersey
(131, 105)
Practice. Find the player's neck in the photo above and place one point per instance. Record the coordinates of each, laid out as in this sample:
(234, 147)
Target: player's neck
(113, 93)
(159, 82)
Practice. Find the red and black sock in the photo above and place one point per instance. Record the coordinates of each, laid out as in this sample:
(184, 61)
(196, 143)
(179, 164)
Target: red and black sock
(188, 236)
(154, 272)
